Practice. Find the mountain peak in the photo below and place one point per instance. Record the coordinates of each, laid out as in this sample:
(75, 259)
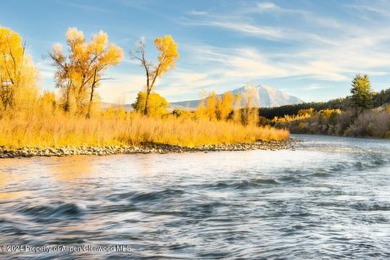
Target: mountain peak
(262, 96)
(266, 96)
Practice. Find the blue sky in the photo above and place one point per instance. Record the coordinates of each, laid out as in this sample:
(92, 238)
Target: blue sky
(310, 49)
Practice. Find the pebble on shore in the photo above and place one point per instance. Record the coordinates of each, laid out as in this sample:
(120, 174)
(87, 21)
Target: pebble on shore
(6, 152)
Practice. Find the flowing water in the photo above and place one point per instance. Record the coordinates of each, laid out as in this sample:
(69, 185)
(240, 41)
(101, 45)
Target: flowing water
(327, 198)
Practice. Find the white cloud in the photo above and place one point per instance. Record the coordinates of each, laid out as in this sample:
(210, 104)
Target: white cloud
(250, 29)
(244, 21)
(314, 86)
(123, 88)
(46, 69)
(85, 7)
(361, 8)
(198, 13)
(228, 23)
(251, 64)
(297, 13)
(265, 6)
(177, 83)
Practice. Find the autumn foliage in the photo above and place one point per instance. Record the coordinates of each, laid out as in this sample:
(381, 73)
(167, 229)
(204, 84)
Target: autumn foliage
(228, 108)
(166, 60)
(18, 74)
(29, 117)
(81, 71)
(157, 105)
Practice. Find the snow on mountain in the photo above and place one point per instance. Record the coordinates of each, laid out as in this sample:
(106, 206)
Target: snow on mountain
(260, 96)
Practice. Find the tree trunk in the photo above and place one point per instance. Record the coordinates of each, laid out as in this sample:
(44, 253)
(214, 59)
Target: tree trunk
(67, 101)
(146, 111)
(148, 89)
(91, 96)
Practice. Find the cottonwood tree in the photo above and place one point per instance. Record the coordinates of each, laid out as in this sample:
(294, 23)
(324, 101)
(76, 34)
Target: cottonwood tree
(211, 106)
(361, 92)
(237, 108)
(216, 108)
(157, 105)
(81, 71)
(166, 60)
(18, 74)
(48, 102)
(249, 112)
(225, 106)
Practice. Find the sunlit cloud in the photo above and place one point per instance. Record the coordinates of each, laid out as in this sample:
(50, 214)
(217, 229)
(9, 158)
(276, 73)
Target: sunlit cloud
(124, 87)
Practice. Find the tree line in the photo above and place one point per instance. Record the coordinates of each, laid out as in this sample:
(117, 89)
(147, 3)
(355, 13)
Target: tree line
(363, 114)
(362, 98)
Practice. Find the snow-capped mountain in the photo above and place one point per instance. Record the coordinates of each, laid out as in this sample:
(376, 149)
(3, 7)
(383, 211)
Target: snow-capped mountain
(260, 96)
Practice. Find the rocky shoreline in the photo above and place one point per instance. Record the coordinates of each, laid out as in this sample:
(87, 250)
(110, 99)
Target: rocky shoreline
(6, 152)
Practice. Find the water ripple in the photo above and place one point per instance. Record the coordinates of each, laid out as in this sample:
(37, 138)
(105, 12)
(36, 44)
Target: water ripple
(327, 199)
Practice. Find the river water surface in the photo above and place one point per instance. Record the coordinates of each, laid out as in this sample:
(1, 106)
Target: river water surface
(327, 198)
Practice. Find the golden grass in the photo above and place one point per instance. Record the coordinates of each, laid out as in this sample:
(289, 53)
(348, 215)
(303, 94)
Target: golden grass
(31, 130)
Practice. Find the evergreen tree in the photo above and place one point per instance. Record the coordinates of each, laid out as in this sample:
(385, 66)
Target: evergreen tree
(361, 92)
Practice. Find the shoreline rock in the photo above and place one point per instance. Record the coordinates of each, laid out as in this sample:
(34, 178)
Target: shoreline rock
(25, 152)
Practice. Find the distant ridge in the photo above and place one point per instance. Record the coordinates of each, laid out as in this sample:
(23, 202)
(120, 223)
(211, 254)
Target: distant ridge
(263, 96)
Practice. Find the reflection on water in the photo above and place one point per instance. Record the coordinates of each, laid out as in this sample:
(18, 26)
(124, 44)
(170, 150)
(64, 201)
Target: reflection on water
(71, 169)
(330, 198)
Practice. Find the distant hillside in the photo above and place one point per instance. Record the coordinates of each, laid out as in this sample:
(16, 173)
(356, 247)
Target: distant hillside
(271, 112)
(263, 96)
(380, 99)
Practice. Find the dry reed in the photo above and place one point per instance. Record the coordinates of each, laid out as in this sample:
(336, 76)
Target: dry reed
(49, 130)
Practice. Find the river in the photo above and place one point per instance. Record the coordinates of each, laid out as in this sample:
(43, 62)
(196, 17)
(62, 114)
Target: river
(327, 198)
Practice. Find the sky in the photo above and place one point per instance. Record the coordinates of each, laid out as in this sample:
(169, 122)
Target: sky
(308, 48)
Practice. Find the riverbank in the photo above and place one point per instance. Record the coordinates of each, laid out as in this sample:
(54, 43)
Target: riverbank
(9, 152)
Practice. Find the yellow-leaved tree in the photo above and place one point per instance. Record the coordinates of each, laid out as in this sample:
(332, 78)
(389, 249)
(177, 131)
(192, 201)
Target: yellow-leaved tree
(167, 58)
(157, 105)
(237, 108)
(81, 71)
(250, 112)
(18, 74)
(225, 106)
(211, 106)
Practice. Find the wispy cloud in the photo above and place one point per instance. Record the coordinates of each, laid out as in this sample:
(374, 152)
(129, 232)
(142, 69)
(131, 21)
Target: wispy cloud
(361, 8)
(314, 86)
(333, 53)
(195, 12)
(46, 70)
(308, 16)
(266, 6)
(85, 7)
(228, 23)
(244, 21)
(249, 29)
(232, 64)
